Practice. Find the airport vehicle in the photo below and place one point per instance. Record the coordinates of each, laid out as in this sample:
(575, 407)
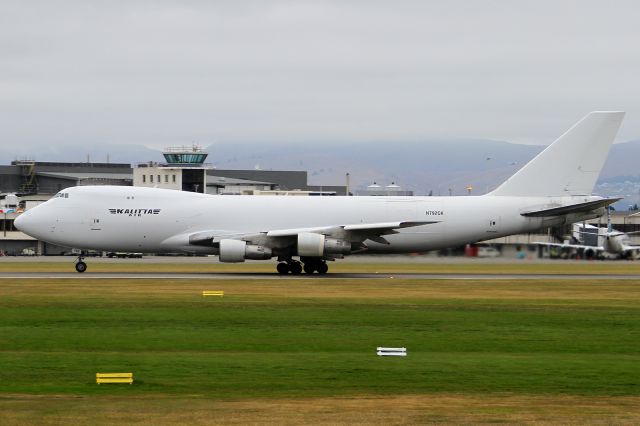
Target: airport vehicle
(487, 251)
(552, 189)
(124, 255)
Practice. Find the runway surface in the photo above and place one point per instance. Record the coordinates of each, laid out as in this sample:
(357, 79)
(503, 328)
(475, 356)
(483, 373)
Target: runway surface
(329, 276)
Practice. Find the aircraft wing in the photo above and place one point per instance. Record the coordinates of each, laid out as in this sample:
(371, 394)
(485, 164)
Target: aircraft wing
(374, 228)
(547, 211)
(353, 232)
(207, 238)
(573, 246)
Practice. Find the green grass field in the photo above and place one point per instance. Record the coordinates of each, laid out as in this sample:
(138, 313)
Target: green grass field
(309, 340)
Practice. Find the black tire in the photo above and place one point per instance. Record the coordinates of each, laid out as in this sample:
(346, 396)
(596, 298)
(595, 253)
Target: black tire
(81, 266)
(308, 268)
(323, 268)
(296, 268)
(282, 268)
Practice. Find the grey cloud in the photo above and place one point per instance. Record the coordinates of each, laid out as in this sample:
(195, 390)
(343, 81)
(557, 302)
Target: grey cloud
(167, 72)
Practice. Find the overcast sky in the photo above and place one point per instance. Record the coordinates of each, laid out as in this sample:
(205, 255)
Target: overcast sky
(162, 73)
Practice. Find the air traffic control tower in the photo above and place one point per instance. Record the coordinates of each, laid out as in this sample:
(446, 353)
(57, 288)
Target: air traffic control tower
(184, 170)
(185, 156)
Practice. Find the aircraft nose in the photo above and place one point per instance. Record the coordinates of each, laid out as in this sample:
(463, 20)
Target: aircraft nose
(24, 222)
(37, 222)
(19, 221)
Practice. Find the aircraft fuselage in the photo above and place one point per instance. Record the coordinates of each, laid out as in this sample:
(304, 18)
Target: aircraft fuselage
(115, 218)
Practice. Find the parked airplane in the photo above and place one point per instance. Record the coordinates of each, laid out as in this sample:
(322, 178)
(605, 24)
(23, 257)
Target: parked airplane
(552, 189)
(608, 241)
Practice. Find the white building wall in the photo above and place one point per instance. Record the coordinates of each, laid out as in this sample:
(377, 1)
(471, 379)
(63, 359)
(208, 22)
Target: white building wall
(170, 178)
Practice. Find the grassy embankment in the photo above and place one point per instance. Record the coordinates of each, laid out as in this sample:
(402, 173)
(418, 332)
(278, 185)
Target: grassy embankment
(503, 350)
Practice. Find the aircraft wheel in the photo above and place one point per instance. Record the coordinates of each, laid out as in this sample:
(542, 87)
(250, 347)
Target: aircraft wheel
(283, 268)
(323, 268)
(308, 268)
(296, 268)
(81, 266)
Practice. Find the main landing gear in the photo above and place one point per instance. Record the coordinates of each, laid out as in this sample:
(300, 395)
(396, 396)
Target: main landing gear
(292, 266)
(80, 265)
(311, 265)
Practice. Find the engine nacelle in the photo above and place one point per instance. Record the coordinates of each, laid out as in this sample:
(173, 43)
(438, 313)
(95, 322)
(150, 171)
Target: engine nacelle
(238, 251)
(317, 245)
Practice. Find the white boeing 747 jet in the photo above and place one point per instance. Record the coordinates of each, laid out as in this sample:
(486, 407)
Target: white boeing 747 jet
(552, 189)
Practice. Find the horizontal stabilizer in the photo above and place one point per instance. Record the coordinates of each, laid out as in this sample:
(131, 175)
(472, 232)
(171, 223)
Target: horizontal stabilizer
(573, 208)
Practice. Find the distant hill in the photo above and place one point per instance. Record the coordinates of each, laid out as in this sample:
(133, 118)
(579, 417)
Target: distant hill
(421, 166)
(434, 165)
(623, 160)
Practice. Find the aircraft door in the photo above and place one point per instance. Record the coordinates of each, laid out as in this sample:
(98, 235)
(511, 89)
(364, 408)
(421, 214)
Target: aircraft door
(95, 222)
(493, 224)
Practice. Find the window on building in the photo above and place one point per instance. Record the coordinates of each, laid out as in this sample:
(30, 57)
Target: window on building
(151, 178)
(144, 178)
(174, 178)
(166, 178)
(159, 179)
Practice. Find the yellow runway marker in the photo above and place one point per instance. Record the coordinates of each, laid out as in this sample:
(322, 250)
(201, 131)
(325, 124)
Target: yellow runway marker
(114, 378)
(218, 293)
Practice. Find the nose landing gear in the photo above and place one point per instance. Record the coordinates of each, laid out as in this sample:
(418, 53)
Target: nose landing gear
(80, 265)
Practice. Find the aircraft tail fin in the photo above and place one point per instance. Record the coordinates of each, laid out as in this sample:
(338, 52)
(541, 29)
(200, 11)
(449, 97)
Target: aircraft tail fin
(570, 165)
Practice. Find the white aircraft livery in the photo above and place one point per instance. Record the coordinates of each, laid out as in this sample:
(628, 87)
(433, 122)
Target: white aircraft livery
(554, 188)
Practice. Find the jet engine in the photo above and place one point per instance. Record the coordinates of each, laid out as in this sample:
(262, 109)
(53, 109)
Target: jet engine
(316, 245)
(238, 251)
